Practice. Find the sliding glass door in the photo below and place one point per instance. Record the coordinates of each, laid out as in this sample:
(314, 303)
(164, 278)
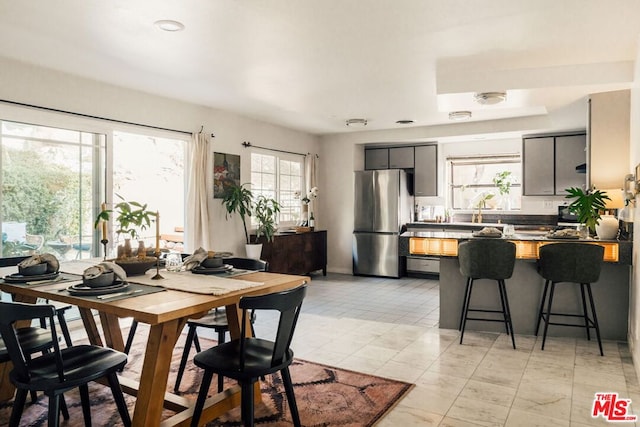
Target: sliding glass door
(52, 181)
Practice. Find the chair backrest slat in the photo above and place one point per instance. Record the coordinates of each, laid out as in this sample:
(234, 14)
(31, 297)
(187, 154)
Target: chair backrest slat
(12, 312)
(288, 303)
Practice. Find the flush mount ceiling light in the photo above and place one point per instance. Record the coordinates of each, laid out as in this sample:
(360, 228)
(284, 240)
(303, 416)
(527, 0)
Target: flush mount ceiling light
(404, 122)
(169, 25)
(459, 115)
(490, 98)
(356, 122)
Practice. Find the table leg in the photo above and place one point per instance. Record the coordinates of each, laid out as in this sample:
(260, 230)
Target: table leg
(155, 372)
(90, 326)
(112, 331)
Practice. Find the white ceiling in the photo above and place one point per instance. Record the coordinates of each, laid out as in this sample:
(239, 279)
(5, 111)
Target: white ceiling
(312, 64)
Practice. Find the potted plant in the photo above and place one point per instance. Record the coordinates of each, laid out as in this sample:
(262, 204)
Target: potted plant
(587, 205)
(503, 181)
(265, 210)
(238, 199)
(131, 218)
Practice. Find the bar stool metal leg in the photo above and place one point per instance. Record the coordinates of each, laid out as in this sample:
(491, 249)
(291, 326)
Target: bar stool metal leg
(464, 303)
(548, 314)
(508, 313)
(465, 308)
(544, 298)
(585, 313)
(595, 317)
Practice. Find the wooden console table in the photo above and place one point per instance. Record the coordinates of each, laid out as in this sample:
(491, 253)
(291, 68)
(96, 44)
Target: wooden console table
(296, 253)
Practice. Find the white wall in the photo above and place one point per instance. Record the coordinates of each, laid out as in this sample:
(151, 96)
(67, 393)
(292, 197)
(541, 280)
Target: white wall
(634, 159)
(32, 85)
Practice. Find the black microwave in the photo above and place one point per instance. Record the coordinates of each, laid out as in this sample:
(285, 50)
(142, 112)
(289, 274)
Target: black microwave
(566, 217)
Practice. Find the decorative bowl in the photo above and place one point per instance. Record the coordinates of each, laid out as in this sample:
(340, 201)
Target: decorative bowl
(33, 270)
(105, 279)
(212, 262)
(135, 266)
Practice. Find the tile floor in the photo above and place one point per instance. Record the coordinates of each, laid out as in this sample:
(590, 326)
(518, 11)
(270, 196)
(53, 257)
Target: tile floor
(389, 327)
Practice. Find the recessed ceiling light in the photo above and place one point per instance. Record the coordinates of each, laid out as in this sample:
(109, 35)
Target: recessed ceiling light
(404, 122)
(490, 98)
(356, 122)
(169, 25)
(459, 115)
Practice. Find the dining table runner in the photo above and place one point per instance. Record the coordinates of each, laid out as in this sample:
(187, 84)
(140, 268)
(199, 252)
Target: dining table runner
(180, 281)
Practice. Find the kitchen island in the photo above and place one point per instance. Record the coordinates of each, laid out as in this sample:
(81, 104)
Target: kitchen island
(611, 292)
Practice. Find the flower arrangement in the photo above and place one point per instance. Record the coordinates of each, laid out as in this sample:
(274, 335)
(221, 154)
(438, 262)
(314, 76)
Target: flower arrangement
(311, 194)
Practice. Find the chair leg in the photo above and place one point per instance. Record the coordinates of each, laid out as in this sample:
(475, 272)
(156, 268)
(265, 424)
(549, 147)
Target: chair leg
(63, 408)
(546, 319)
(86, 404)
(464, 302)
(585, 313)
(34, 396)
(506, 303)
(504, 307)
(196, 341)
(544, 297)
(595, 317)
(246, 403)
(202, 396)
(465, 308)
(132, 333)
(291, 398)
(54, 411)
(221, 334)
(18, 407)
(185, 356)
(118, 397)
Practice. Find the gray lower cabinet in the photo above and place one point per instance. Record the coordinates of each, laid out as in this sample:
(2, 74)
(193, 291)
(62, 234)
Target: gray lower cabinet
(549, 164)
(426, 171)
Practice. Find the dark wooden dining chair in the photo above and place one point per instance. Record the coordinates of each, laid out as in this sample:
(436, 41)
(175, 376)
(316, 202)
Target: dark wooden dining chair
(216, 319)
(59, 371)
(248, 358)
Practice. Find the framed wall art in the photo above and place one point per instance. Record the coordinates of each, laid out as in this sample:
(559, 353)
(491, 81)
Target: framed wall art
(226, 172)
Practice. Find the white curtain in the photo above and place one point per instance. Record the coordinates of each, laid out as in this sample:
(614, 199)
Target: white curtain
(197, 230)
(311, 180)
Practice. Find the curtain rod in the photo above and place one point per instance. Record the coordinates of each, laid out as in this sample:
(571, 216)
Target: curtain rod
(247, 144)
(55, 110)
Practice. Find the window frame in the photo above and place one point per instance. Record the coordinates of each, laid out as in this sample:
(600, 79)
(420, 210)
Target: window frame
(295, 210)
(489, 159)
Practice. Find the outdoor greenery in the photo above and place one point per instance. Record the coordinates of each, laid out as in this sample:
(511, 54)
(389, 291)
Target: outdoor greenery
(43, 194)
(503, 181)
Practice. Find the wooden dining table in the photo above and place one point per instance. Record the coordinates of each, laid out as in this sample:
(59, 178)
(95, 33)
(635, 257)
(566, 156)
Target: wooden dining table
(166, 313)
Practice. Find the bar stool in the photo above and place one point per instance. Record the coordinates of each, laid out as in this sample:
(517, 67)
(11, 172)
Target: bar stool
(491, 259)
(570, 263)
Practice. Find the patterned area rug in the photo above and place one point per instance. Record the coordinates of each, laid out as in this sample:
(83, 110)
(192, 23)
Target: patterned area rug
(326, 396)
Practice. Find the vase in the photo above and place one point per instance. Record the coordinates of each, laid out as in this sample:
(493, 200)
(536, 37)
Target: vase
(254, 251)
(127, 247)
(304, 217)
(607, 227)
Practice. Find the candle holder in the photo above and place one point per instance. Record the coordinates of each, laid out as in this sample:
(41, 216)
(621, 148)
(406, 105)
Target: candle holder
(104, 244)
(157, 276)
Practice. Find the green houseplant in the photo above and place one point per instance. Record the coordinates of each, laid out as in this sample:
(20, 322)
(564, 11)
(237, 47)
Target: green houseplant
(587, 205)
(238, 199)
(131, 218)
(266, 212)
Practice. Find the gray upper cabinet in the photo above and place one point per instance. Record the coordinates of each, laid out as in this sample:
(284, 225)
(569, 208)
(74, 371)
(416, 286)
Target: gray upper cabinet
(376, 158)
(426, 171)
(401, 158)
(570, 152)
(549, 164)
(538, 165)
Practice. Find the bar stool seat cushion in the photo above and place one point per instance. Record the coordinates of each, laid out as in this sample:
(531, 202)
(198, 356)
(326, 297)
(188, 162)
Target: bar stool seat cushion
(571, 262)
(487, 258)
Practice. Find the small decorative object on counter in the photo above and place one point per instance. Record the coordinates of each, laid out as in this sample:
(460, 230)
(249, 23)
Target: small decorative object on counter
(312, 221)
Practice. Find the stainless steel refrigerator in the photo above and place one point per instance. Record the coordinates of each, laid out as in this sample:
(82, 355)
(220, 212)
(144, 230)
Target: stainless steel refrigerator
(383, 204)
